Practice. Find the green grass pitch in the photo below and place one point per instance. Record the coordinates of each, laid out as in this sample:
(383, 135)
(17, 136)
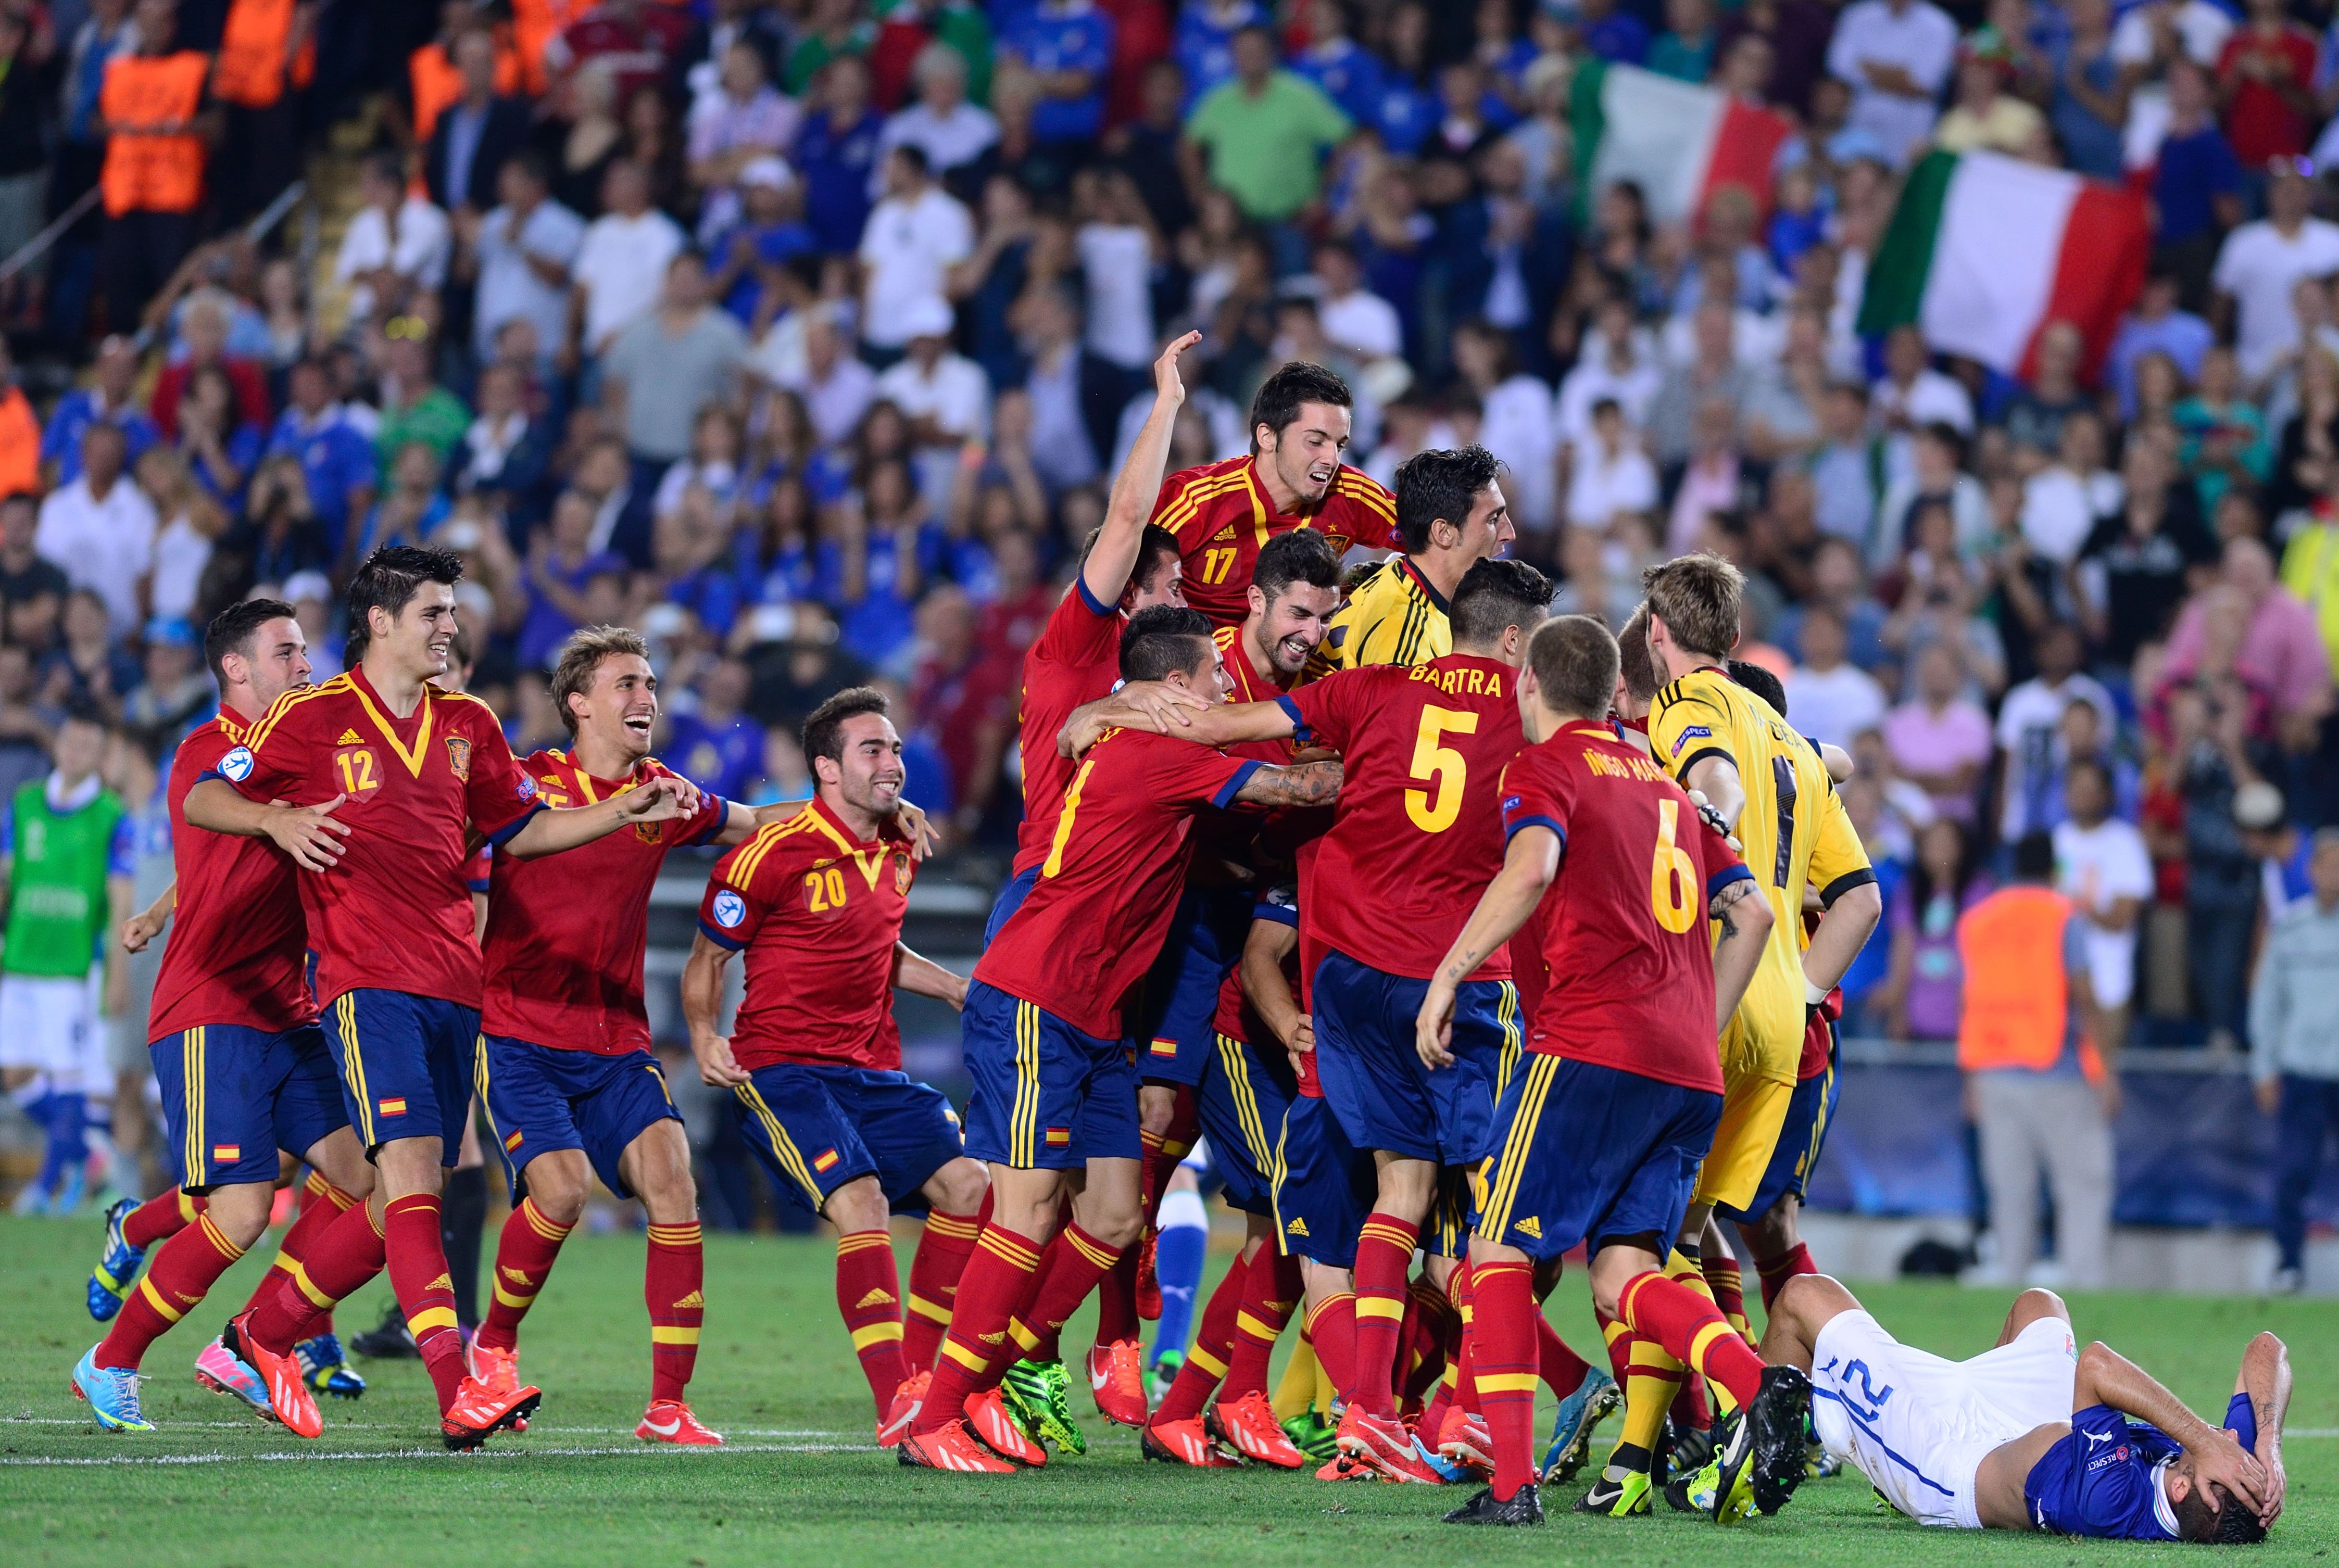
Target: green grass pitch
(800, 1482)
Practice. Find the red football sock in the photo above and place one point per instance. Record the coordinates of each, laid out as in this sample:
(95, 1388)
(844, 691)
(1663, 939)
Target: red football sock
(1451, 1388)
(322, 1203)
(1384, 1256)
(348, 1255)
(1206, 1358)
(1163, 1150)
(1075, 1266)
(1693, 1331)
(1332, 1329)
(524, 1257)
(934, 1268)
(1727, 1283)
(426, 1292)
(1619, 1341)
(673, 1287)
(1427, 1342)
(1776, 1271)
(1270, 1291)
(1690, 1411)
(869, 1295)
(1504, 1353)
(161, 1216)
(1117, 1300)
(998, 1280)
(1563, 1368)
(182, 1273)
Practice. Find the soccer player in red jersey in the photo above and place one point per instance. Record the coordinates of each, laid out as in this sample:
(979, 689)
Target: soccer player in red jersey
(1423, 747)
(815, 1055)
(390, 775)
(1601, 1133)
(1055, 1090)
(1224, 513)
(242, 1069)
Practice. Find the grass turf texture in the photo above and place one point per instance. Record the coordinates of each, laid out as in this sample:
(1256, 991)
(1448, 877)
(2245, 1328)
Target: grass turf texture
(800, 1482)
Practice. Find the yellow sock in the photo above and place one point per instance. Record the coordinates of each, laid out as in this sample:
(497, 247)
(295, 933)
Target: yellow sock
(1297, 1390)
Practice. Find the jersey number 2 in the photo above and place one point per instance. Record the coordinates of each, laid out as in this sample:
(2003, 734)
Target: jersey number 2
(1436, 812)
(1672, 875)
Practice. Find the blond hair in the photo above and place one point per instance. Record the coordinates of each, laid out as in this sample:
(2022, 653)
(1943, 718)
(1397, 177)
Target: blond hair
(1697, 598)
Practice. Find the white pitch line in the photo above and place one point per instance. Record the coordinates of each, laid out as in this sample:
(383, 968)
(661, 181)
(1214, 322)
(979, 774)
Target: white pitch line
(257, 1424)
(642, 1450)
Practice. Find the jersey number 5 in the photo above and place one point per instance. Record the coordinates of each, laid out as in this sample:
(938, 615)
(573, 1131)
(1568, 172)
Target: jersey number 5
(1436, 812)
(1672, 875)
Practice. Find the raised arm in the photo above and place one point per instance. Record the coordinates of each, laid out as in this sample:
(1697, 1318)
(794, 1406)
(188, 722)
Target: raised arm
(702, 1012)
(1106, 573)
(2106, 1377)
(1528, 866)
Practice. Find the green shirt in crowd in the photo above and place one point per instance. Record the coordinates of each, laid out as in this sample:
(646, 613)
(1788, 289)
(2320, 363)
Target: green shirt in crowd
(58, 864)
(1267, 148)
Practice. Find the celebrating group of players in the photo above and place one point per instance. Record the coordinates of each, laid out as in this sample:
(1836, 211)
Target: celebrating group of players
(1451, 926)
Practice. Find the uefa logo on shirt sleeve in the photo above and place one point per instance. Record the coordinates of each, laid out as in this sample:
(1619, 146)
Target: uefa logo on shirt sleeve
(236, 766)
(730, 910)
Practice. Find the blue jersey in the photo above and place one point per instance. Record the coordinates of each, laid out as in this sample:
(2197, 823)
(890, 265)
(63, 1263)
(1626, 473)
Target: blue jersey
(335, 460)
(835, 166)
(76, 412)
(1049, 40)
(1405, 115)
(1205, 46)
(721, 761)
(1349, 73)
(2103, 1479)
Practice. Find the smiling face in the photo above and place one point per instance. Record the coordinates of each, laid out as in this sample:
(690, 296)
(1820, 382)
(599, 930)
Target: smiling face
(1291, 628)
(276, 661)
(414, 642)
(868, 775)
(620, 708)
(1305, 455)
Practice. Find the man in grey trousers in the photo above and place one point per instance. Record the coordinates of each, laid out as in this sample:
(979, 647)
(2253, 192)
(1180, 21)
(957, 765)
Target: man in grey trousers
(2295, 1049)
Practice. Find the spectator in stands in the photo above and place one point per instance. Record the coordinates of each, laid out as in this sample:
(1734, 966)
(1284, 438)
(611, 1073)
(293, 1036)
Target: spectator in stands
(913, 238)
(1922, 998)
(396, 244)
(836, 154)
(112, 400)
(1940, 738)
(621, 263)
(31, 590)
(476, 135)
(2280, 651)
(2294, 1051)
(2261, 262)
(520, 254)
(661, 371)
(2143, 552)
(1252, 136)
(159, 124)
(713, 744)
(942, 125)
(2101, 865)
(2031, 728)
(1983, 116)
(1833, 699)
(100, 529)
(1897, 55)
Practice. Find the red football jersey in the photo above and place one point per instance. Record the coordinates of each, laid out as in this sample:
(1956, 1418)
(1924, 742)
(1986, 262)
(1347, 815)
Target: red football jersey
(1416, 837)
(1250, 686)
(566, 931)
(818, 911)
(1221, 516)
(1628, 953)
(238, 947)
(1235, 1018)
(1075, 660)
(395, 913)
(1094, 921)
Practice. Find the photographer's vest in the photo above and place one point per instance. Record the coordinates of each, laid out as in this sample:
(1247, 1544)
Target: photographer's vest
(249, 72)
(149, 171)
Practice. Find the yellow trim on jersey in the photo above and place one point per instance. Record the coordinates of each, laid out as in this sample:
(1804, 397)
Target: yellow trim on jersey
(1390, 619)
(412, 759)
(783, 1149)
(1245, 1095)
(749, 858)
(1187, 503)
(258, 735)
(1518, 1143)
(191, 1069)
(1506, 1013)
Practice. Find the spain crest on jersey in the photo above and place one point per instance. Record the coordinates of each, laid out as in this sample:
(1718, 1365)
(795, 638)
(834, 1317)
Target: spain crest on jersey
(901, 873)
(459, 756)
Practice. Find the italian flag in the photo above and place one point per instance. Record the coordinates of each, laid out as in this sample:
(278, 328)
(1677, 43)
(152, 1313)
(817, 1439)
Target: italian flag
(1675, 140)
(1985, 250)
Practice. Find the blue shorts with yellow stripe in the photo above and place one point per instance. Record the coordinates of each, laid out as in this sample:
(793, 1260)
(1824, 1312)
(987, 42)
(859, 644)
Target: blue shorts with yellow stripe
(406, 1064)
(817, 1126)
(1240, 1104)
(1324, 1186)
(541, 1100)
(233, 1096)
(1797, 1154)
(1586, 1153)
(1047, 1096)
(1011, 898)
(1374, 1080)
(1174, 1025)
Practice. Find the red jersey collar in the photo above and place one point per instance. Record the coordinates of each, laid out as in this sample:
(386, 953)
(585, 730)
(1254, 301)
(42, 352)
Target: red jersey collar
(1251, 686)
(389, 724)
(594, 787)
(1405, 565)
(1265, 503)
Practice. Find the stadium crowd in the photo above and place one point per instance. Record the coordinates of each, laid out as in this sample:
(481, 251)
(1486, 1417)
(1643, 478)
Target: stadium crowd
(807, 336)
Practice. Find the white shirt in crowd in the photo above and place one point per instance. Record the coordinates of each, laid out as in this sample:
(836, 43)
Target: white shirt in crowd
(1362, 323)
(1593, 379)
(103, 545)
(2029, 731)
(2095, 867)
(2201, 27)
(1602, 484)
(834, 406)
(1834, 706)
(909, 241)
(414, 243)
(2059, 507)
(957, 395)
(1515, 425)
(949, 141)
(621, 267)
(1117, 260)
(508, 287)
(2259, 267)
(1921, 39)
(181, 551)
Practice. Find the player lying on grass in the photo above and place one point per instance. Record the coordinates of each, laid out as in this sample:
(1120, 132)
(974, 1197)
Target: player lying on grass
(2035, 1434)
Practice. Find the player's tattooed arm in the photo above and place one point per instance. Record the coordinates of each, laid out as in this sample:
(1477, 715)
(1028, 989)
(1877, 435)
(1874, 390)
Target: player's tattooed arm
(702, 1011)
(2105, 1376)
(1528, 866)
(1305, 784)
(147, 924)
(923, 976)
(1744, 917)
(2266, 1378)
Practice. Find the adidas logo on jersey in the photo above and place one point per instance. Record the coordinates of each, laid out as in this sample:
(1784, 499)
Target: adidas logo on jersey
(874, 1299)
(1530, 1225)
(1297, 1227)
(1225, 533)
(350, 738)
(696, 1299)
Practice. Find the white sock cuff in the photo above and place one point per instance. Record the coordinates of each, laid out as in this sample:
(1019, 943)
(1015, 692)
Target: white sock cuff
(1182, 1209)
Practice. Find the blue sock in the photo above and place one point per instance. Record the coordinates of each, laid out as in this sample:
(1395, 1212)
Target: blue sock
(1180, 1244)
(68, 1116)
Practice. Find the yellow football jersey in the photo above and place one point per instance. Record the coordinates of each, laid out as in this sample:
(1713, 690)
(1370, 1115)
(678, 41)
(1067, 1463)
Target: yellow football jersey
(1794, 830)
(1394, 617)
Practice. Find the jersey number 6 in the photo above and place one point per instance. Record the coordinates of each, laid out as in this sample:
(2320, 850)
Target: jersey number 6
(1672, 875)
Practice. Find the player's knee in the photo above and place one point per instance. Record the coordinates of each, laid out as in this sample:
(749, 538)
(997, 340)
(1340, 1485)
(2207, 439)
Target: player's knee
(858, 1205)
(556, 1191)
(2035, 1304)
(958, 1187)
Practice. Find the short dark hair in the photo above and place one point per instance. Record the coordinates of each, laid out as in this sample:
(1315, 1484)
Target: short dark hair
(1437, 484)
(83, 711)
(1276, 402)
(2094, 765)
(580, 661)
(388, 579)
(823, 731)
(1301, 555)
(2229, 1523)
(1162, 639)
(1156, 544)
(532, 163)
(1760, 682)
(1496, 594)
(2034, 857)
(1638, 668)
(232, 629)
(1574, 662)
